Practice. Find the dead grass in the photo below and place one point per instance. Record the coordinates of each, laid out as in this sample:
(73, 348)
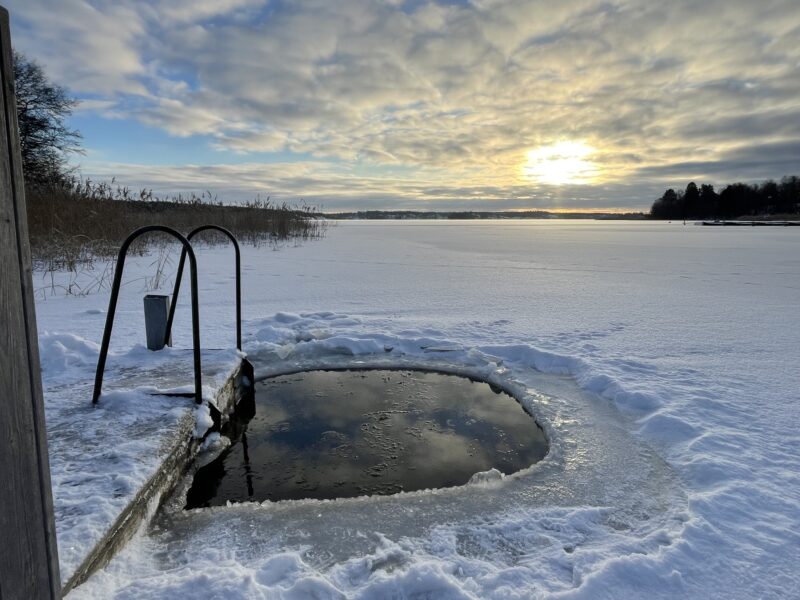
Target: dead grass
(74, 223)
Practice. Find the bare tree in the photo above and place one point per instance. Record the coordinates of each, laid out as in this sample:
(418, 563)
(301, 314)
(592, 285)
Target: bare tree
(42, 110)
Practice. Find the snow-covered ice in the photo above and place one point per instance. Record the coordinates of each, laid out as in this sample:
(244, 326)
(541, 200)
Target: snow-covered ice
(661, 360)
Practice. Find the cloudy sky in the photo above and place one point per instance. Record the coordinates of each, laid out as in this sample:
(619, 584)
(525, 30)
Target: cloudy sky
(445, 105)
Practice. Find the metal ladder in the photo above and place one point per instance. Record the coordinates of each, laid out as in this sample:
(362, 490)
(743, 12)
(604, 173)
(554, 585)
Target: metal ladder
(185, 251)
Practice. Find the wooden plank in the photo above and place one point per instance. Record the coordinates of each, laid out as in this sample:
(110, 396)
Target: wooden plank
(28, 554)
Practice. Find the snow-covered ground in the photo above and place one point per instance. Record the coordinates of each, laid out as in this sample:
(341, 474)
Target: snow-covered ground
(661, 360)
(101, 456)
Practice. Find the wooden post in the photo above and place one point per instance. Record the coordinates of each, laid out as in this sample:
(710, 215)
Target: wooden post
(28, 554)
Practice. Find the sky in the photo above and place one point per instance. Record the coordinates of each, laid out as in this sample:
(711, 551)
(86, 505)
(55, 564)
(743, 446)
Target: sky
(426, 105)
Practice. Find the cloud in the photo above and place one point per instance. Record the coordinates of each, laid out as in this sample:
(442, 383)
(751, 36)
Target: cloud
(89, 48)
(750, 162)
(462, 91)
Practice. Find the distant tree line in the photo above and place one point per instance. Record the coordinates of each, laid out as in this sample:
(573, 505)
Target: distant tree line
(424, 214)
(476, 215)
(735, 200)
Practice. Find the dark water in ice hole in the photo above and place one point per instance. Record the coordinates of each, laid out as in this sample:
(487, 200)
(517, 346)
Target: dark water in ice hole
(337, 434)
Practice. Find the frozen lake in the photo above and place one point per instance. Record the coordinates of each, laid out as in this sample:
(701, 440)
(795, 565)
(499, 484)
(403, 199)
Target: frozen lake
(684, 339)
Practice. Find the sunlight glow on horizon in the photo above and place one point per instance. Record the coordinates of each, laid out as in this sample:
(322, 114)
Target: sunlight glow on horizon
(563, 163)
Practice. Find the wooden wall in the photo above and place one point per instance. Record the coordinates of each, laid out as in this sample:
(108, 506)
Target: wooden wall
(28, 554)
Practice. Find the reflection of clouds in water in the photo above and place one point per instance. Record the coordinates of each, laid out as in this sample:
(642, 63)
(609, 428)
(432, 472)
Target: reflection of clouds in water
(346, 395)
(494, 411)
(443, 453)
(336, 434)
(283, 469)
(275, 416)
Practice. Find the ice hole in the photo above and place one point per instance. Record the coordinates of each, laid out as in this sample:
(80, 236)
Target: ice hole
(339, 434)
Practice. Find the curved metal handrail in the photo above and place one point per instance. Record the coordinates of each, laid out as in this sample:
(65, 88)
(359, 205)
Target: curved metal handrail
(179, 275)
(112, 307)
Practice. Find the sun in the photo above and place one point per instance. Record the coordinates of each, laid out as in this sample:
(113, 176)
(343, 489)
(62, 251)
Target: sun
(564, 163)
